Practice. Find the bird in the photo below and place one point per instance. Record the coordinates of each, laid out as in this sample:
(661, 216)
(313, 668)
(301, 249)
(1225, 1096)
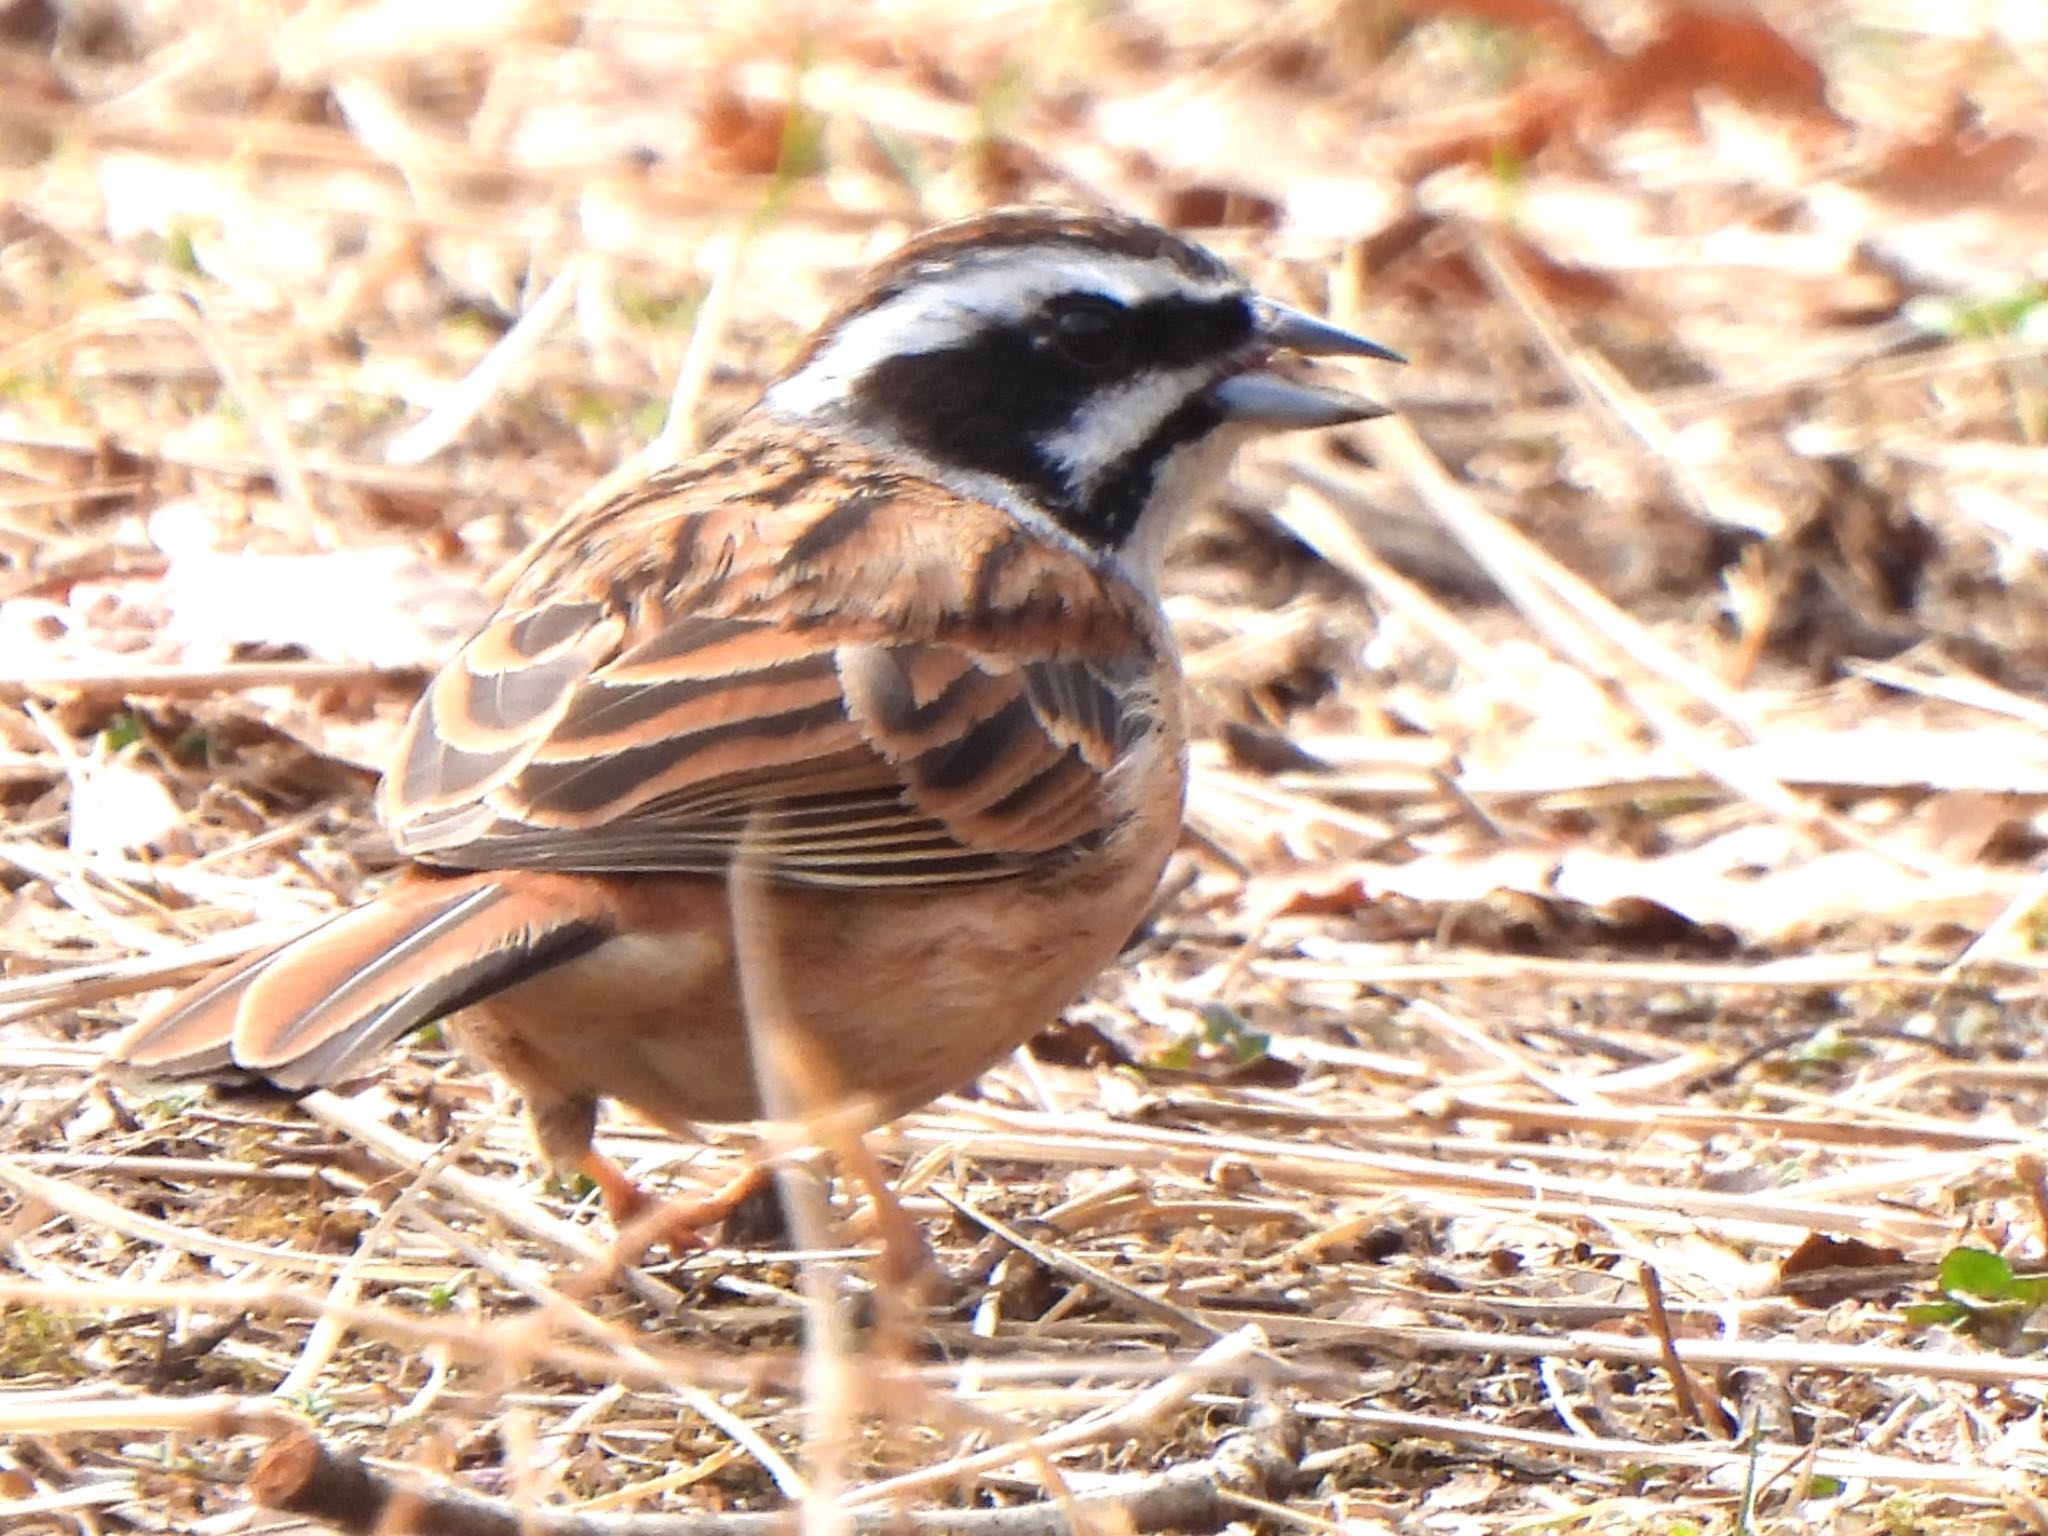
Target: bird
(889, 653)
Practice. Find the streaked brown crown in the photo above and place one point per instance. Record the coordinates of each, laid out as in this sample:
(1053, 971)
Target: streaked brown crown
(943, 247)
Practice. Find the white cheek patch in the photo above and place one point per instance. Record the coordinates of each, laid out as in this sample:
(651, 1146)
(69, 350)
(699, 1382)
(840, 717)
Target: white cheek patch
(1183, 483)
(940, 313)
(1115, 422)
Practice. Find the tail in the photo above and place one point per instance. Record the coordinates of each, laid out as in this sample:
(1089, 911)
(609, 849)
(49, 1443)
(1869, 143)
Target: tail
(315, 1008)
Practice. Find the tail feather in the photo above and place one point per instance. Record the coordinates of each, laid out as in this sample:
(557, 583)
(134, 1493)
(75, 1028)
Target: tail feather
(314, 1009)
(193, 1034)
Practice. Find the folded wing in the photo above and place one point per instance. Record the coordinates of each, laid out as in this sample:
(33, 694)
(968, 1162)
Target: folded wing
(666, 729)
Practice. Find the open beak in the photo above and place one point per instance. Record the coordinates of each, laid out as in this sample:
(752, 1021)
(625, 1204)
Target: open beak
(1261, 396)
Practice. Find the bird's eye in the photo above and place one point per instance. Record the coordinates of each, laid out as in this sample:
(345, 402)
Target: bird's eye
(1089, 332)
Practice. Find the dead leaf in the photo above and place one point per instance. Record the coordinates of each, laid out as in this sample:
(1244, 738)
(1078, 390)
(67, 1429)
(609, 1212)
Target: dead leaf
(740, 136)
(1959, 168)
(1710, 48)
(1820, 1255)
(1064, 1043)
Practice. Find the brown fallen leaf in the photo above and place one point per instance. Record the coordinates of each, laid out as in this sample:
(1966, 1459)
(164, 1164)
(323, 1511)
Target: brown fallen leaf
(1821, 1257)
(1713, 48)
(1069, 1044)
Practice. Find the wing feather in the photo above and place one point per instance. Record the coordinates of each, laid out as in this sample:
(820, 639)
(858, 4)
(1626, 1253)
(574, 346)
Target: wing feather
(792, 680)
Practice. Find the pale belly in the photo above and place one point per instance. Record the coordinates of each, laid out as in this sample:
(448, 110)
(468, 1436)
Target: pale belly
(881, 1001)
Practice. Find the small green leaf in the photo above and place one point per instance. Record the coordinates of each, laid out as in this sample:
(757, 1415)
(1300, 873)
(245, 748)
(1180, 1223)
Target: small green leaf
(173, 1102)
(1983, 316)
(1934, 1314)
(1826, 1047)
(313, 1403)
(179, 252)
(121, 731)
(1976, 1272)
(656, 311)
(1223, 1025)
(902, 154)
(649, 418)
(577, 1186)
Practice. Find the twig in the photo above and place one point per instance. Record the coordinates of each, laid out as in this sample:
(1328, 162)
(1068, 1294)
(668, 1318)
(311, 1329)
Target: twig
(682, 433)
(215, 1416)
(491, 376)
(1892, 1471)
(1702, 1409)
(612, 1356)
(266, 419)
(496, 1196)
(178, 681)
(90, 1209)
(1084, 1138)
(1609, 397)
(1319, 524)
(300, 1475)
(1590, 632)
(329, 1329)
(1230, 1356)
(776, 1042)
(1183, 1322)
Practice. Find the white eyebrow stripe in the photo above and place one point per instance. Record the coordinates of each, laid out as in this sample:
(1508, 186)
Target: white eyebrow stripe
(937, 313)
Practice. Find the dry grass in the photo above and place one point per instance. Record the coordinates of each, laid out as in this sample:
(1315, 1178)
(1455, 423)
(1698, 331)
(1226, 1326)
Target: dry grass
(1615, 853)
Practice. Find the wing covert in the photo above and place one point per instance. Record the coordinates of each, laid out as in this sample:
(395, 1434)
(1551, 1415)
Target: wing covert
(664, 727)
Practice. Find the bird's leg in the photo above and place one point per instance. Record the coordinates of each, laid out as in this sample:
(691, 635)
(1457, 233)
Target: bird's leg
(906, 1262)
(644, 1221)
(562, 1126)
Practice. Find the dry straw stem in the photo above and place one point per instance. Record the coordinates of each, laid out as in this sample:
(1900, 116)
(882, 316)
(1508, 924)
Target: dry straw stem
(89, 1209)
(329, 1333)
(501, 1199)
(183, 309)
(1184, 1322)
(1338, 962)
(265, 417)
(1700, 1408)
(1611, 648)
(68, 988)
(1090, 1139)
(1772, 1459)
(215, 1416)
(682, 433)
(1336, 536)
(796, 1096)
(173, 681)
(643, 1366)
(534, 1339)
(299, 1475)
(499, 369)
(1609, 397)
